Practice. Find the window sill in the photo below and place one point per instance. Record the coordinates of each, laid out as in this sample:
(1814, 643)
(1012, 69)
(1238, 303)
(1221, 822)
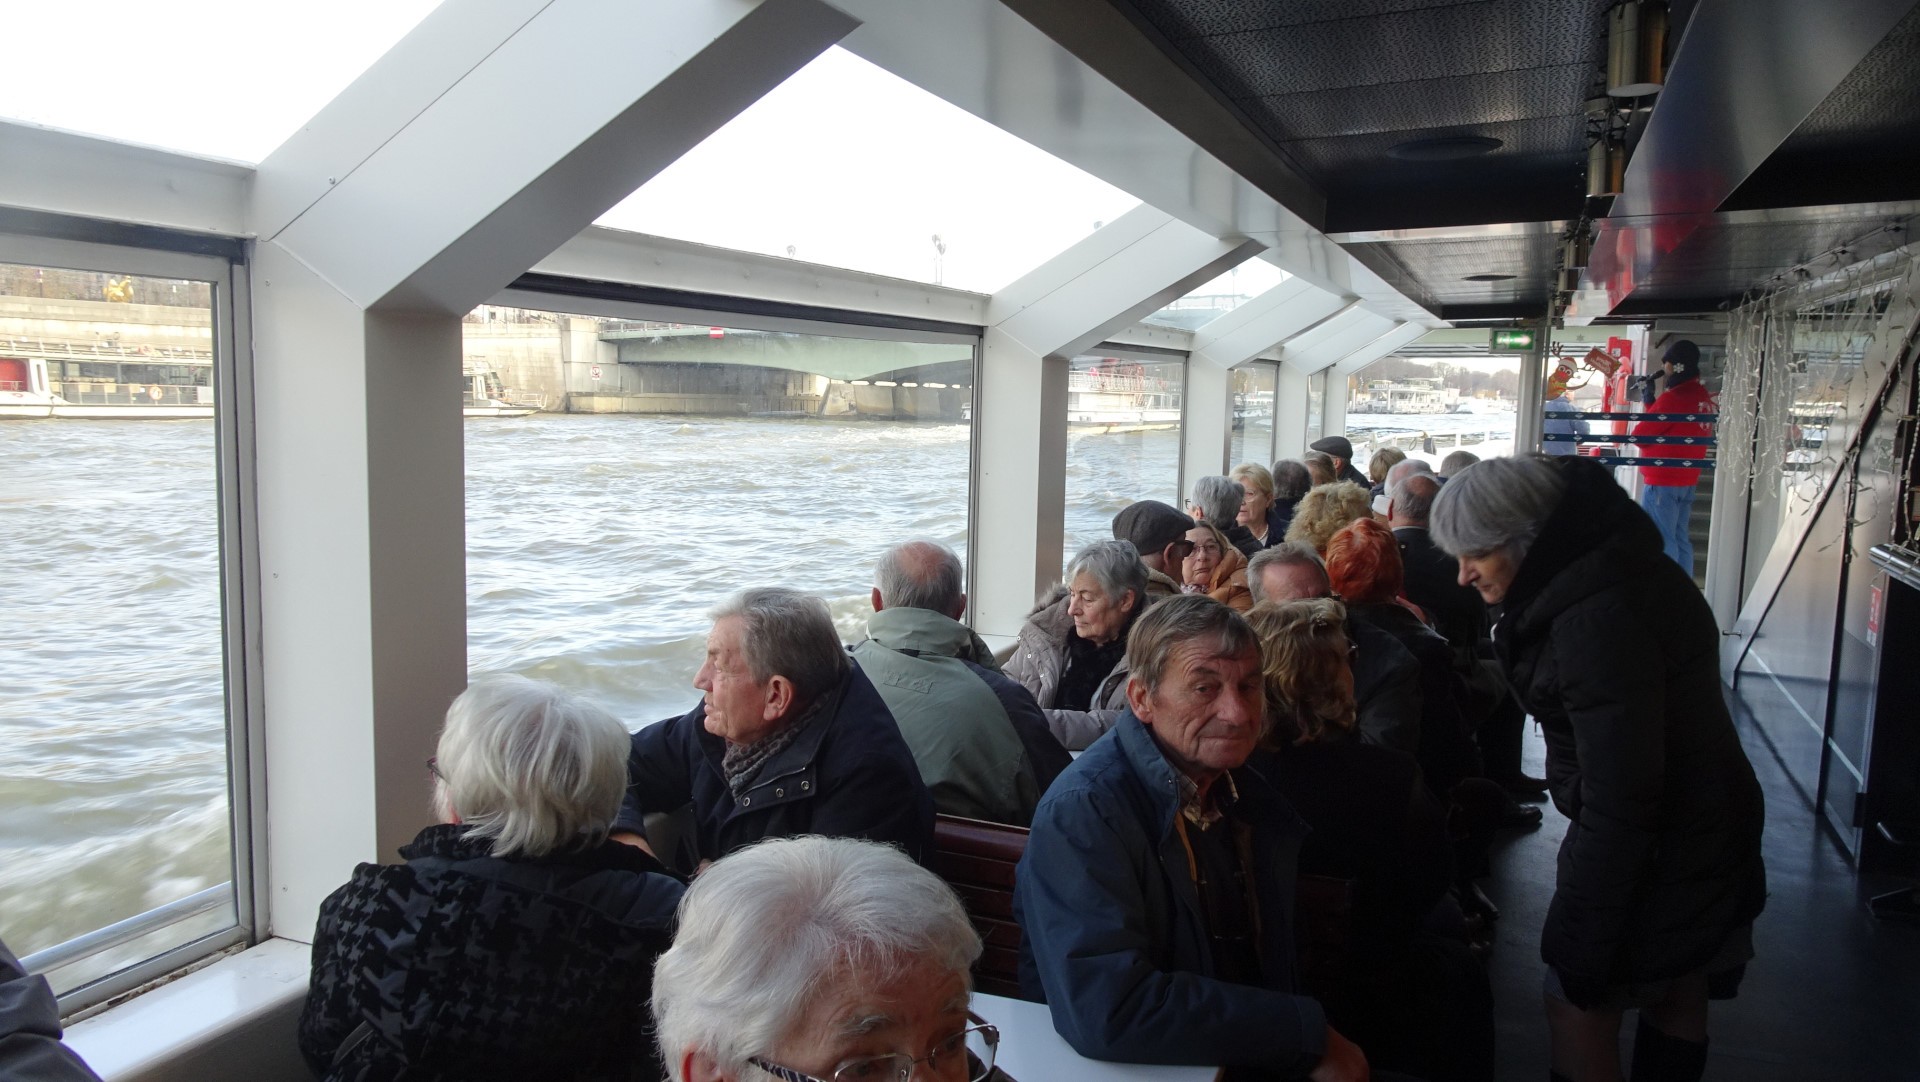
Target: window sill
(234, 1020)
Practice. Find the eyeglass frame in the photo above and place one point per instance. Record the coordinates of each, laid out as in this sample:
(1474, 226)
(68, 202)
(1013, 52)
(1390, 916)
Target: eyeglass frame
(989, 1032)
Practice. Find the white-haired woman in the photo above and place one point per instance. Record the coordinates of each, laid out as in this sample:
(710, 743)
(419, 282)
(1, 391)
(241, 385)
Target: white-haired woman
(817, 959)
(516, 941)
(1071, 654)
(1611, 647)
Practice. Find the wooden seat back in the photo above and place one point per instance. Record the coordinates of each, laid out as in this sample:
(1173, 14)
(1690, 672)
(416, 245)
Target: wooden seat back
(977, 860)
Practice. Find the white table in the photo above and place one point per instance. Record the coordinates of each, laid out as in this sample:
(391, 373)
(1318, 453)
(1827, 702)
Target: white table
(1031, 1051)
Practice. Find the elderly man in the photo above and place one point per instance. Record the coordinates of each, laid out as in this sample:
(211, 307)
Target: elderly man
(1216, 501)
(1386, 677)
(790, 738)
(1159, 532)
(1156, 892)
(1340, 449)
(1455, 462)
(979, 738)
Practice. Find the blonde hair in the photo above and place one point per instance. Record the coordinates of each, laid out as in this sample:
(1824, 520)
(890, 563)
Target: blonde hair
(1326, 510)
(1383, 460)
(1253, 476)
(1303, 648)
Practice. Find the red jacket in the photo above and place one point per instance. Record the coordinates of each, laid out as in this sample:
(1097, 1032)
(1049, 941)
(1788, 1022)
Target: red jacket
(1688, 397)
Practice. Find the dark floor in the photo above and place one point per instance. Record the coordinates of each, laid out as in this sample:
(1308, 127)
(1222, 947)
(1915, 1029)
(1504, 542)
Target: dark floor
(1832, 994)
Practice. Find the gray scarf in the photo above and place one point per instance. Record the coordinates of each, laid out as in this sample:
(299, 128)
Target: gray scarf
(742, 762)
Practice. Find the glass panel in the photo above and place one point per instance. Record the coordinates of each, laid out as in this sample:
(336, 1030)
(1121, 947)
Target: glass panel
(1123, 440)
(113, 748)
(270, 67)
(1430, 407)
(849, 165)
(676, 464)
(1254, 390)
(1316, 406)
(1221, 295)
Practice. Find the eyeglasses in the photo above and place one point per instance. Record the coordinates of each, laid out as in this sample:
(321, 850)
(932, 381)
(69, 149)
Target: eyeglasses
(433, 767)
(974, 1047)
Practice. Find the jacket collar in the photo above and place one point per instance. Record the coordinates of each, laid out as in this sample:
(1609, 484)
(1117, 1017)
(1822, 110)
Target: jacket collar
(449, 841)
(925, 632)
(791, 774)
(1595, 526)
(1162, 781)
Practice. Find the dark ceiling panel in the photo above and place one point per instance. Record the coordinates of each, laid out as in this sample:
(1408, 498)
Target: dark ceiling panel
(1871, 122)
(1332, 159)
(1435, 270)
(1202, 18)
(1429, 103)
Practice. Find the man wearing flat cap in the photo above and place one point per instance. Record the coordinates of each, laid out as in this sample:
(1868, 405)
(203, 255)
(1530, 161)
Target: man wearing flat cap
(1342, 453)
(1159, 533)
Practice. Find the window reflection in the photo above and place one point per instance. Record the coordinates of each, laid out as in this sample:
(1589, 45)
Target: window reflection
(1123, 439)
(1254, 388)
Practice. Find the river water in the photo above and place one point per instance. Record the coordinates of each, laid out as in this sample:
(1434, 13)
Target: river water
(595, 546)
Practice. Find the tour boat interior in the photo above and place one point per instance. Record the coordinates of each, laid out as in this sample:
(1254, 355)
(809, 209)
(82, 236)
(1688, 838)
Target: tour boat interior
(1190, 227)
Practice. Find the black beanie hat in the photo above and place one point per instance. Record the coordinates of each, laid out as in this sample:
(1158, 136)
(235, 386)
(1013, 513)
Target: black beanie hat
(1684, 356)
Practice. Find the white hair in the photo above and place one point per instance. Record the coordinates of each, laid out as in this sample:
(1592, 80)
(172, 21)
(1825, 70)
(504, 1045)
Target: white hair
(530, 766)
(787, 633)
(766, 926)
(920, 575)
(1406, 468)
(1115, 567)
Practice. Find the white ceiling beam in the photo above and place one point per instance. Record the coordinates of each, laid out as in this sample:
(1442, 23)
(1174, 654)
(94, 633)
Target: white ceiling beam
(1378, 348)
(1264, 322)
(67, 173)
(421, 206)
(1333, 339)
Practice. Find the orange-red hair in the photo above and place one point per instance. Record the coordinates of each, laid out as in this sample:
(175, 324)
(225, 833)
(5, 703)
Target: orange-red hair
(1363, 562)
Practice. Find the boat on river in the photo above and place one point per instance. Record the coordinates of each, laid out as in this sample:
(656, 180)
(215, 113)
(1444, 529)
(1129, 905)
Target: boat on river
(101, 386)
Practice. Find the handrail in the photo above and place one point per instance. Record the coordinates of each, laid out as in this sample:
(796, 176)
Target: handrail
(113, 935)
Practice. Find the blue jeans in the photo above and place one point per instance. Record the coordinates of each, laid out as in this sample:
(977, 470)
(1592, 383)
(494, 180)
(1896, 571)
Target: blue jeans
(1672, 509)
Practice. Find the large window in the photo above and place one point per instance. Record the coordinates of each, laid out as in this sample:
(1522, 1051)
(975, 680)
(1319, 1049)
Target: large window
(1123, 439)
(676, 462)
(1432, 406)
(119, 845)
(1255, 390)
(1221, 295)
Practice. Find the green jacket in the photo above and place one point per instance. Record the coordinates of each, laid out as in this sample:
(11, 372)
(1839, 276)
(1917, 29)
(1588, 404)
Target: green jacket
(980, 740)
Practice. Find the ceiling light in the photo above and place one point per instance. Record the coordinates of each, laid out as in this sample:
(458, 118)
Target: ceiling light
(1488, 278)
(1637, 48)
(1445, 148)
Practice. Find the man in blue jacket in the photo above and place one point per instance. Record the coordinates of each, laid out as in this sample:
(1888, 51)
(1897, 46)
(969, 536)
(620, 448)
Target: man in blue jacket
(789, 738)
(1156, 894)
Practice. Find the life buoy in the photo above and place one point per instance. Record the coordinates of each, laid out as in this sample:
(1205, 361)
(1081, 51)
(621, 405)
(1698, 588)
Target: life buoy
(154, 392)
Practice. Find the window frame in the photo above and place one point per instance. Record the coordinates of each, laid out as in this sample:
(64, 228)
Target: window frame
(221, 263)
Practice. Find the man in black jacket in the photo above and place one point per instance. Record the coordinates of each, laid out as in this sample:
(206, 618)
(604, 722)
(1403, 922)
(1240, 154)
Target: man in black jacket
(1340, 449)
(790, 738)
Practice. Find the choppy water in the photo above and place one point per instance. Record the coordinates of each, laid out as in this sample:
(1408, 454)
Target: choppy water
(595, 546)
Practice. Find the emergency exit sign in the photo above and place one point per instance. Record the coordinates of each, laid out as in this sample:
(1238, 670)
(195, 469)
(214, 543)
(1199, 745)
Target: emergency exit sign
(1512, 339)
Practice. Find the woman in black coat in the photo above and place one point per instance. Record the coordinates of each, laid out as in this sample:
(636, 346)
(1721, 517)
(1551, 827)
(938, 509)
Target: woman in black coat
(517, 941)
(1611, 647)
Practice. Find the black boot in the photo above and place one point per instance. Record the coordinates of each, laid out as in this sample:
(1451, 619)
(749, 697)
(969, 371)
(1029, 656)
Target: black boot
(1662, 1057)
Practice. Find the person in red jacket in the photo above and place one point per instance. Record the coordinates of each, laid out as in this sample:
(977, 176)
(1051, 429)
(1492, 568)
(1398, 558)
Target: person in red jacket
(1667, 491)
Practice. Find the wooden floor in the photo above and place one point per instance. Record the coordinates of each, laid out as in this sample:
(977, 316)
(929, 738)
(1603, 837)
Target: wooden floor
(1832, 994)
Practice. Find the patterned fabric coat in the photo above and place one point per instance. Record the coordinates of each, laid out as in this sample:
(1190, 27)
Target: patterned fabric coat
(461, 965)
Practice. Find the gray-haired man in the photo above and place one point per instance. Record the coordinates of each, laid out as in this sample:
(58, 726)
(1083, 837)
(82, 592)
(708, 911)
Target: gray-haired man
(790, 738)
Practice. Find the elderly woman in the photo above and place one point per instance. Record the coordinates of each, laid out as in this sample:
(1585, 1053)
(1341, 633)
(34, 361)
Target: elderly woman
(1071, 653)
(1218, 500)
(1259, 511)
(1418, 995)
(516, 941)
(821, 960)
(1383, 460)
(1613, 650)
(1325, 510)
(1215, 568)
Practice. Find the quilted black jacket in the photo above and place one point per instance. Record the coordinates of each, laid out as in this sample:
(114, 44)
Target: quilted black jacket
(461, 965)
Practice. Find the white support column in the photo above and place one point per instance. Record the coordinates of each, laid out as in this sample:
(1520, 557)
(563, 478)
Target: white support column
(1127, 269)
(1272, 317)
(1290, 413)
(382, 222)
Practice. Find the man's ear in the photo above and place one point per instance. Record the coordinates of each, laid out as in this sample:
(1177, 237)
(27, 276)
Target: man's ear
(959, 607)
(698, 1067)
(876, 599)
(1139, 699)
(780, 694)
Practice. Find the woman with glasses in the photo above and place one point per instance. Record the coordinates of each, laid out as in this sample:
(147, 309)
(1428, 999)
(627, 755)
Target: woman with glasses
(816, 959)
(516, 941)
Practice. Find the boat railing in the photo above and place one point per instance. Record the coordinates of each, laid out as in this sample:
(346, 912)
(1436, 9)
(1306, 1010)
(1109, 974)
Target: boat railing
(114, 351)
(101, 940)
(134, 394)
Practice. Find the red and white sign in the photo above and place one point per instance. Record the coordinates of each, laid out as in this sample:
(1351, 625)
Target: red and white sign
(716, 332)
(1873, 615)
(595, 371)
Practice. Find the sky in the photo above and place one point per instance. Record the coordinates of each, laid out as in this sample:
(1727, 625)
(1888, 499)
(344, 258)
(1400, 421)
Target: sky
(844, 164)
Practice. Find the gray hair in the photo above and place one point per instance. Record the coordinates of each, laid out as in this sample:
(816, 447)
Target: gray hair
(1291, 479)
(1457, 461)
(1497, 504)
(530, 766)
(1407, 468)
(1284, 554)
(1413, 497)
(1187, 619)
(1114, 566)
(1218, 499)
(787, 633)
(762, 930)
(920, 575)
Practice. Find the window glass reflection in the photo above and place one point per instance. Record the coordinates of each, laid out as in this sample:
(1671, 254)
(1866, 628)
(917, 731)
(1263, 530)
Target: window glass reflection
(113, 748)
(1123, 440)
(1220, 295)
(673, 464)
(1254, 389)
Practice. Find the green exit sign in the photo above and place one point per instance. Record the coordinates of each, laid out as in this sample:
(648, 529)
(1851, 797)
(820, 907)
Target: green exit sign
(1512, 339)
